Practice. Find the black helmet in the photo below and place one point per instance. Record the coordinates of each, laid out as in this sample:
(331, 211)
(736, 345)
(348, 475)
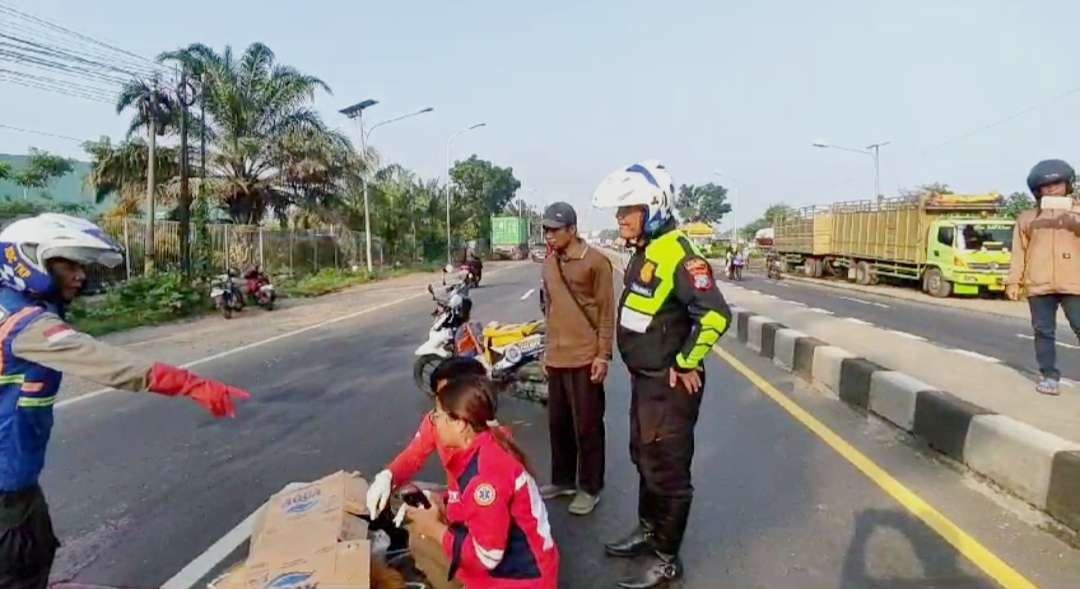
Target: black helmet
(1049, 172)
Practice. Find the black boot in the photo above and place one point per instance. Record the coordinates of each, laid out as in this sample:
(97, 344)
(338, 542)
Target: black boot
(639, 542)
(663, 569)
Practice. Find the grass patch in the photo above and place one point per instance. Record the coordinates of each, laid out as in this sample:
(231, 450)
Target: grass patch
(332, 280)
(167, 297)
(141, 301)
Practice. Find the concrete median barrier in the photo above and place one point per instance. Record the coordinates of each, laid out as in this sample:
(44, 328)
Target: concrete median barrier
(893, 396)
(784, 347)
(1038, 467)
(1014, 454)
(755, 327)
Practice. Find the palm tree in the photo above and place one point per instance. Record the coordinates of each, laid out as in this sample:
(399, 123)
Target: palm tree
(121, 170)
(258, 112)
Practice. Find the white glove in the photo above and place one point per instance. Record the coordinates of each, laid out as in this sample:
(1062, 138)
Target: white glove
(379, 493)
(399, 519)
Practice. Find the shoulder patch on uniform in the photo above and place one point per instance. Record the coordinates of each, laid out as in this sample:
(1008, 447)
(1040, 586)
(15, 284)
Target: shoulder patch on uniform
(484, 494)
(648, 270)
(700, 273)
(59, 332)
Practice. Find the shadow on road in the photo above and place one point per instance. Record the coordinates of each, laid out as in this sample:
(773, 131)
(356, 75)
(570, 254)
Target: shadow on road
(867, 568)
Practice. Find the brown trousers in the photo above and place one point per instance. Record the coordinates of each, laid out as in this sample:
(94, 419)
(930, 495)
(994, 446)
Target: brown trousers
(576, 426)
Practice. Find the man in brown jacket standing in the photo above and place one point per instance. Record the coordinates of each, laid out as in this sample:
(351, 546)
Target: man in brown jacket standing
(1046, 262)
(580, 314)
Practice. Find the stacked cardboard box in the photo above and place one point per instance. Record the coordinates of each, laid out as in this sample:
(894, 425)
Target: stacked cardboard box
(309, 537)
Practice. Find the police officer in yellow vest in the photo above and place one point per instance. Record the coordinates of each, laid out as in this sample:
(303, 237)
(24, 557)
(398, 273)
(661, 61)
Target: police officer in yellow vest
(670, 316)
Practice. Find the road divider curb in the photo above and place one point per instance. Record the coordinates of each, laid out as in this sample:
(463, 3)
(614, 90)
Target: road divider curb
(1038, 467)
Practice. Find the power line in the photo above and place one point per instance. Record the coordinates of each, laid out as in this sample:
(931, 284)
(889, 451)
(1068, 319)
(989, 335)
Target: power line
(58, 89)
(51, 25)
(1003, 120)
(43, 133)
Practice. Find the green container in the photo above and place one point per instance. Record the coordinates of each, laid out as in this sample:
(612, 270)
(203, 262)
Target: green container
(511, 231)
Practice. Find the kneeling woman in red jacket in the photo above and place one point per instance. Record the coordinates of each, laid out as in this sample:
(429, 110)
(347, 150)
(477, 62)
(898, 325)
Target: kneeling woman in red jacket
(495, 530)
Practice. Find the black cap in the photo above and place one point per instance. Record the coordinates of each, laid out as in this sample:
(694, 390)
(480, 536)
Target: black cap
(559, 215)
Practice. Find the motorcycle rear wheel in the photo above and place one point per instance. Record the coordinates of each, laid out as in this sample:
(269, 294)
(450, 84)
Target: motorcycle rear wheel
(422, 369)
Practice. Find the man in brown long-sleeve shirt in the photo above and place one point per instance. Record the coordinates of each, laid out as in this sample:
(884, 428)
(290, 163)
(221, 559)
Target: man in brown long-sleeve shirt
(580, 313)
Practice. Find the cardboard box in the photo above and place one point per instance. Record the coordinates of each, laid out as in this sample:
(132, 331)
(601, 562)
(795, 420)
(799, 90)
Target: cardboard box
(311, 537)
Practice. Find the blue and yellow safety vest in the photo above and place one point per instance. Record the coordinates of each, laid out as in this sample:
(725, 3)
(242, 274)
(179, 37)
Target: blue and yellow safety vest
(27, 394)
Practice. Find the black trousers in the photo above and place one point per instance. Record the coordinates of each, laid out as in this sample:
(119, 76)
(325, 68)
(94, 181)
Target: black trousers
(27, 542)
(576, 425)
(662, 421)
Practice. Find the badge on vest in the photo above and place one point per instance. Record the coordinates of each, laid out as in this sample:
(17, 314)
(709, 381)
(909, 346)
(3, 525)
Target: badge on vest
(700, 273)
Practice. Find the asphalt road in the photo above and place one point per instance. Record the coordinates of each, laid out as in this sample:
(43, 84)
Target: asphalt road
(139, 486)
(1007, 339)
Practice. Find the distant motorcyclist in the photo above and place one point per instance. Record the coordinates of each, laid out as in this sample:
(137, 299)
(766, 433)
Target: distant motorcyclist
(474, 263)
(42, 270)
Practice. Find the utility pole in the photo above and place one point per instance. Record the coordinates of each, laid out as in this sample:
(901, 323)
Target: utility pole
(151, 102)
(185, 95)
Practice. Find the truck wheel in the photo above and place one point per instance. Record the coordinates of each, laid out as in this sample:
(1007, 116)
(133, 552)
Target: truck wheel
(936, 285)
(863, 273)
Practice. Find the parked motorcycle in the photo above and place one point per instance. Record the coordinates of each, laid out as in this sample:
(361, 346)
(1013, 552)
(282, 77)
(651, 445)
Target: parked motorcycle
(226, 295)
(511, 352)
(258, 287)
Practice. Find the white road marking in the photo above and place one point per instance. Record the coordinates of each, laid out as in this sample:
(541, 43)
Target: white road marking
(858, 321)
(976, 355)
(1062, 344)
(773, 297)
(269, 340)
(796, 304)
(528, 294)
(907, 335)
(205, 562)
(862, 302)
(820, 311)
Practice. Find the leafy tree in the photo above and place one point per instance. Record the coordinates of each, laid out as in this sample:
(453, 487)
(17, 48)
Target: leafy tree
(5, 170)
(40, 169)
(481, 189)
(706, 204)
(772, 214)
(936, 187)
(1017, 203)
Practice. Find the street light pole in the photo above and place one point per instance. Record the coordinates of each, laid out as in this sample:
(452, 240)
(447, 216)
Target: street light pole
(874, 151)
(449, 181)
(356, 112)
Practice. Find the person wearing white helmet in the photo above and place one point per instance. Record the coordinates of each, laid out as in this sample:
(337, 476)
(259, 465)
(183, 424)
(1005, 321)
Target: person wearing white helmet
(670, 316)
(42, 270)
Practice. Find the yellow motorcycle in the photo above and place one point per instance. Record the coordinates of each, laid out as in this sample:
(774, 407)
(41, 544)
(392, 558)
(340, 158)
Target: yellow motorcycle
(512, 352)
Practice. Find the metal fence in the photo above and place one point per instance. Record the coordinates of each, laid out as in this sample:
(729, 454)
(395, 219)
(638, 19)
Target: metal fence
(278, 251)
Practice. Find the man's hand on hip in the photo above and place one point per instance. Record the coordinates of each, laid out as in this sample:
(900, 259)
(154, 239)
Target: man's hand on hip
(691, 381)
(599, 370)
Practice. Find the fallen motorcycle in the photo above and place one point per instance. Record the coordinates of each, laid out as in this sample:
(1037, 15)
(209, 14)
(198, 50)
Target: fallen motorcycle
(226, 295)
(511, 352)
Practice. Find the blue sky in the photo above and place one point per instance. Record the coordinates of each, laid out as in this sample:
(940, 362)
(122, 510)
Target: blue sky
(572, 90)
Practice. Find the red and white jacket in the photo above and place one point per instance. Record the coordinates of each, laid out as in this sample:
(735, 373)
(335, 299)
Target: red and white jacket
(499, 532)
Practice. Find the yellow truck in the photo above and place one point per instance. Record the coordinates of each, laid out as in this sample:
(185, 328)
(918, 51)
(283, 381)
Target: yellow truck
(948, 243)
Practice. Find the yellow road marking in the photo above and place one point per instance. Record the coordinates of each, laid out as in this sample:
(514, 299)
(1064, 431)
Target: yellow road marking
(990, 564)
